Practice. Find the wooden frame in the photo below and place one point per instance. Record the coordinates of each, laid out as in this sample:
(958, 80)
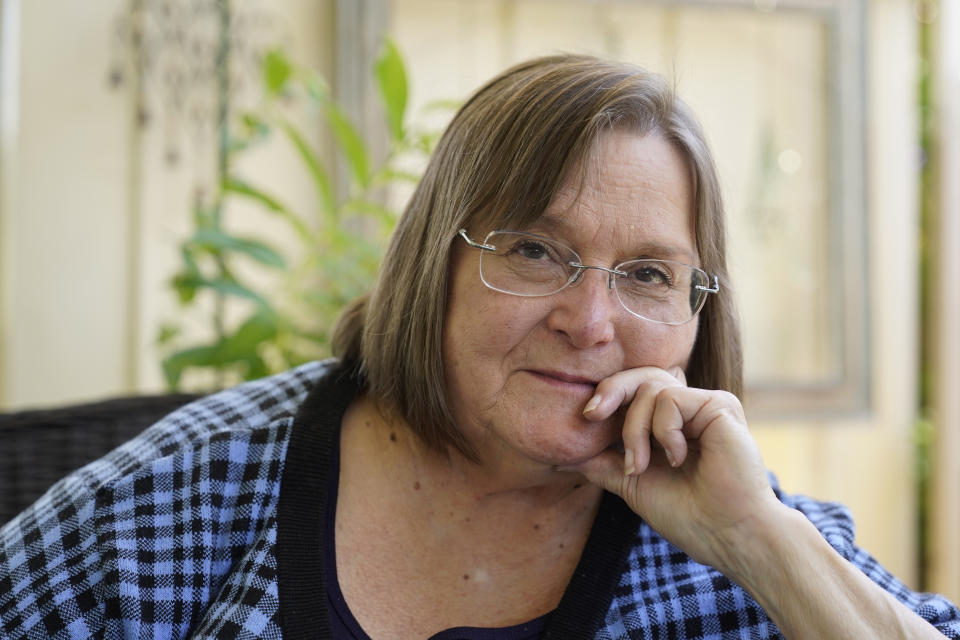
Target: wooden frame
(360, 26)
(849, 392)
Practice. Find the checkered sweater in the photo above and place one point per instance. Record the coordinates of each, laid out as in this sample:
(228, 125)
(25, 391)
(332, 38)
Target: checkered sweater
(211, 525)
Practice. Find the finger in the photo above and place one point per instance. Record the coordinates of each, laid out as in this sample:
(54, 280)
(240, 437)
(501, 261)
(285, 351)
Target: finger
(617, 390)
(637, 427)
(679, 374)
(700, 408)
(604, 470)
(667, 424)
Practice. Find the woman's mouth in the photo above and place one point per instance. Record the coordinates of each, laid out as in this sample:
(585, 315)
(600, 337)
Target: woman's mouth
(563, 380)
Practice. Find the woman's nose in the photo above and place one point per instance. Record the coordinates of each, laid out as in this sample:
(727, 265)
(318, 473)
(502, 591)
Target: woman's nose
(586, 310)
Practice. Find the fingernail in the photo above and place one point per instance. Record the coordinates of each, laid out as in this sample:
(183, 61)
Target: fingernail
(628, 465)
(670, 458)
(593, 403)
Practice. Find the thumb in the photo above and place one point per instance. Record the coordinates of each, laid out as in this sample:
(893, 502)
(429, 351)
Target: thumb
(605, 470)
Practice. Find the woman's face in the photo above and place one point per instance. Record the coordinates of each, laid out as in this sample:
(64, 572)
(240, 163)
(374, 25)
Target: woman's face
(519, 370)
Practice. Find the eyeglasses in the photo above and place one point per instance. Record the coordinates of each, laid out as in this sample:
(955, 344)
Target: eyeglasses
(525, 264)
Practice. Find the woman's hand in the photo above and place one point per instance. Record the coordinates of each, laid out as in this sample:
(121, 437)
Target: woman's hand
(690, 467)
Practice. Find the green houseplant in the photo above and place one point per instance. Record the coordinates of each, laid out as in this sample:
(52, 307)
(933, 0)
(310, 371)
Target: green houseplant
(339, 244)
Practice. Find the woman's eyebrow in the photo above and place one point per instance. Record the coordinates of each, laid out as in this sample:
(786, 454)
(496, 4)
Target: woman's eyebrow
(666, 252)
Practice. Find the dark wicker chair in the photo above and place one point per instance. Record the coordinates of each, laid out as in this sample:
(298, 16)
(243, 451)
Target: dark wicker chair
(38, 447)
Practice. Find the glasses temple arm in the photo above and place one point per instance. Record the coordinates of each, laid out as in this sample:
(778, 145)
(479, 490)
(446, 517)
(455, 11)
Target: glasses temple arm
(712, 289)
(463, 233)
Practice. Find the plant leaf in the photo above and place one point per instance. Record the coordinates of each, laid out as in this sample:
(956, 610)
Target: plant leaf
(234, 288)
(386, 217)
(185, 284)
(167, 332)
(442, 105)
(239, 187)
(276, 70)
(254, 126)
(235, 185)
(392, 82)
(192, 282)
(175, 364)
(316, 85)
(255, 249)
(240, 347)
(202, 215)
(388, 174)
(256, 368)
(321, 178)
(189, 262)
(351, 143)
(243, 344)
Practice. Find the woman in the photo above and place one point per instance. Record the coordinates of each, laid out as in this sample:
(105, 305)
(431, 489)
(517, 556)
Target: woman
(532, 430)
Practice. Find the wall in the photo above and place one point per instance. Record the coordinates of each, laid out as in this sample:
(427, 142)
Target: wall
(91, 212)
(944, 559)
(64, 224)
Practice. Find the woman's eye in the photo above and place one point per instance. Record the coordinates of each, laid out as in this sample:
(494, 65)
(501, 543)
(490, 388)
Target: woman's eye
(531, 250)
(651, 274)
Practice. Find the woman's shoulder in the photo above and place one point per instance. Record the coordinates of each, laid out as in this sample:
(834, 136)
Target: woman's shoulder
(202, 448)
(165, 516)
(245, 412)
(237, 412)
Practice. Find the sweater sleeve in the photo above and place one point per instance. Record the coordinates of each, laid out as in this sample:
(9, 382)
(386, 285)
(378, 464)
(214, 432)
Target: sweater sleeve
(835, 523)
(662, 592)
(138, 543)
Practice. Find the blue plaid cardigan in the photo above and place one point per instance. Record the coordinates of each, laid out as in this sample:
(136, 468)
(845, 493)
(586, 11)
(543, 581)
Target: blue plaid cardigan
(211, 523)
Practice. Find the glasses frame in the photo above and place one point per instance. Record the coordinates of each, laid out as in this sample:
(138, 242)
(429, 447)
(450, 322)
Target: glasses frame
(580, 268)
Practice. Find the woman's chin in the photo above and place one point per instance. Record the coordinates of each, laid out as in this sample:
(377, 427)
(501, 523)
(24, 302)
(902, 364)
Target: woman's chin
(570, 447)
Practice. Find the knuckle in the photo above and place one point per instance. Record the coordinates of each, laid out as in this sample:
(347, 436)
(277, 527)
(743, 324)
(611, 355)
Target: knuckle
(727, 397)
(664, 398)
(649, 388)
(668, 396)
(730, 403)
(608, 386)
(731, 415)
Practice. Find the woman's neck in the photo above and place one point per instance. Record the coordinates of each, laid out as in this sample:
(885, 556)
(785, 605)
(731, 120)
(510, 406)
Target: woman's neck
(425, 542)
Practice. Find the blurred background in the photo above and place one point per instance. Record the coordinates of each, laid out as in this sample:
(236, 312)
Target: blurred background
(189, 190)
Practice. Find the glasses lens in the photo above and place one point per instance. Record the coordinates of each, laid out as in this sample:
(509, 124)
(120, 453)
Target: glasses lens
(661, 290)
(525, 264)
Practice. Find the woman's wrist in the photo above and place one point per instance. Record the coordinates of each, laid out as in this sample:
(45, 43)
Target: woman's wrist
(810, 590)
(757, 551)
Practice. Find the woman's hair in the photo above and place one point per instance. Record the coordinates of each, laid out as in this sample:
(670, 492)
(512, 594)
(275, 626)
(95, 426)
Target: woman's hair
(498, 165)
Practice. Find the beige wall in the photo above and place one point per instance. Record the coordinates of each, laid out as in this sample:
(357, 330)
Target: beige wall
(91, 214)
(944, 563)
(867, 462)
(64, 224)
